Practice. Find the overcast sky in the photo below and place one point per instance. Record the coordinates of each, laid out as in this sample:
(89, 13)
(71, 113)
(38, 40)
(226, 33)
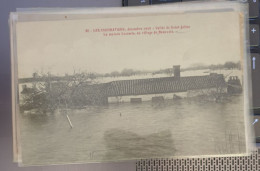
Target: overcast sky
(63, 46)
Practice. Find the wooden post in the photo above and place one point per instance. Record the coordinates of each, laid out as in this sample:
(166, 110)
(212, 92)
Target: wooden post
(71, 126)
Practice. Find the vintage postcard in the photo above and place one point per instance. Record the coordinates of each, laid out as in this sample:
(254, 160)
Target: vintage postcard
(131, 87)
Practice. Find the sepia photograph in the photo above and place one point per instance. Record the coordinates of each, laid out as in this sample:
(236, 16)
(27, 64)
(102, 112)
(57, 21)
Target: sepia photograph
(126, 88)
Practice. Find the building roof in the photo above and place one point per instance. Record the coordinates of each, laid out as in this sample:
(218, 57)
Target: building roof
(151, 85)
(163, 85)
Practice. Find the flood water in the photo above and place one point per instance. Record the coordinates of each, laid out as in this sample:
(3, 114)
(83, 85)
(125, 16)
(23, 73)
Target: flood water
(128, 131)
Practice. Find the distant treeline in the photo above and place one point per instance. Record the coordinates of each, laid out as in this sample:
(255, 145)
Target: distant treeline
(125, 73)
(131, 72)
(227, 65)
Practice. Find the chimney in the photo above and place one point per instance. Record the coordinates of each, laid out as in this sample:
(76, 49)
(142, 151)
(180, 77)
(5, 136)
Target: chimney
(176, 71)
(24, 87)
(35, 75)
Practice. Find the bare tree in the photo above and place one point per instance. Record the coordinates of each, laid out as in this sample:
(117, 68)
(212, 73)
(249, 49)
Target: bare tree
(50, 92)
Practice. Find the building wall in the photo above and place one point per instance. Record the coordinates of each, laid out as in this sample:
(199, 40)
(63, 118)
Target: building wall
(148, 97)
(168, 96)
(209, 91)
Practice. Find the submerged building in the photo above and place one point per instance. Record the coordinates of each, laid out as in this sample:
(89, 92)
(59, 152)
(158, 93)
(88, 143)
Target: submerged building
(138, 90)
(149, 89)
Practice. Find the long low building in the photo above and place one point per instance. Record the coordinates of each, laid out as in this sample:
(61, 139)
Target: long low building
(138, 90)
(166, 87)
